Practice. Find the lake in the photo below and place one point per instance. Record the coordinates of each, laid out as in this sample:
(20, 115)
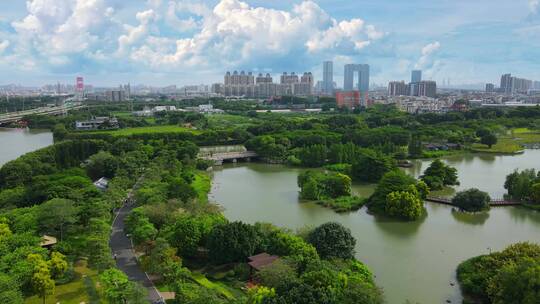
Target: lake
(16, 142)
(413, 261)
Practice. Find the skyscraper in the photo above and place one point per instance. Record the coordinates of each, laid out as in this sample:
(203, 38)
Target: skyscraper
(328, 78)
(506, 83)
(398, 88)
(416, 76)
(362, 70)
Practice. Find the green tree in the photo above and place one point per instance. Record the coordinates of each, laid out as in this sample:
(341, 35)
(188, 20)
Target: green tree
(57, 215)
(59, 132)
(489, 139)
(274, 275)
(404, 205)
(535, 193)
(519, 184)
(472, 200)
(370, 166)
(232, 242)
(119, 290)
(180, 189)
(332, 240)
(392, 181)
(415, 147)
(57, 264)
(41, 281)
(517, 283)
(9, 290)
(438, 175)
(101, 164)
(313, 156)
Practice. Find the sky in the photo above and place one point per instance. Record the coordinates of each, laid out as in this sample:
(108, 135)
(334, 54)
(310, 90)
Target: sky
(164, 42)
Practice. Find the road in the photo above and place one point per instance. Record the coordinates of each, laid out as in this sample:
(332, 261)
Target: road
(125, 255)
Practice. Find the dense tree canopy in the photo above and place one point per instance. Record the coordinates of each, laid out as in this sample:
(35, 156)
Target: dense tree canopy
(332, 240)
(472, 200)
(438, 175)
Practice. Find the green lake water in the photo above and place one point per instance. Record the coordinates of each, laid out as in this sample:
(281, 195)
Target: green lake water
(16, 142)
(413, 261)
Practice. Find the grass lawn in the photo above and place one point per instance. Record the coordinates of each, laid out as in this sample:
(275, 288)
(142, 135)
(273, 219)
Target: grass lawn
(504, 145)
(202, 185)
(82, 289)
(217, 286)
(512, 143)
(225, 121)
(145, 130)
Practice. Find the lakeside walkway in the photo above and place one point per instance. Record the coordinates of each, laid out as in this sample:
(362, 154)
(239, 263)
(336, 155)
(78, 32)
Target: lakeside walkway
(126, 260)
(493, 203)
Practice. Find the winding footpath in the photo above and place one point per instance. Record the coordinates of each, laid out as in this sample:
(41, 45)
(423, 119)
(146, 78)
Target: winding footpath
(122, 246)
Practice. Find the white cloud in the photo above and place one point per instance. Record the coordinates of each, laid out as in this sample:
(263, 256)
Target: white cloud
(234, 33)
(64, 26)
(3, 46)
(426, 61)
(136, 34)
(187, 24)
(534, 6)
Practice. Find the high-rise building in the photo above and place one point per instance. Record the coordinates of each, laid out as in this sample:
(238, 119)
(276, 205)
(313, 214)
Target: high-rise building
(263, 79)
(289, 79)
(398, 88)
(362, 71)
(328, 78)
(416, 76)
(79, 88)
(427, 89)
(490, 88)
(506, 83)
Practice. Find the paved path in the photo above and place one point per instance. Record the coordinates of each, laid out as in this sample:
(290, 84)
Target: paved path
(125, 255)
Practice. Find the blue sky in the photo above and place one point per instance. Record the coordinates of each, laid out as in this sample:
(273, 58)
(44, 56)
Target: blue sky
(162, 42)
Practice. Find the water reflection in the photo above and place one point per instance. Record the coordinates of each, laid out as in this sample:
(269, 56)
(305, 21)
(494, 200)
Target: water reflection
(525, 216)
(399, 229)
(478, 218)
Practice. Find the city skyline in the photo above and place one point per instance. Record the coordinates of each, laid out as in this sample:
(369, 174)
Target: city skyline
(177, 42)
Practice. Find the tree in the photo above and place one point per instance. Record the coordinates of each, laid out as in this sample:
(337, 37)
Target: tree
(404, 204)
(59, 132)
(41, 280)
(180, 189)
(57, 215)
(313, 156)
(101, 164)
(9, 290)
(489, 139)
(274, 275)
(519, 184)
(535, 193)
(232, 242)
(332, 240)
(472, 200)
(57, 264)
(438, 175)
(119, 290)
(392, 181)
(517, 283)
(370, 166)
(415, 147)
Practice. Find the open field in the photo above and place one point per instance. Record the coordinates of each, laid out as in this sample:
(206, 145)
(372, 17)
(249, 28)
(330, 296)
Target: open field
(512, 143)
(146, 130)
(224, 121)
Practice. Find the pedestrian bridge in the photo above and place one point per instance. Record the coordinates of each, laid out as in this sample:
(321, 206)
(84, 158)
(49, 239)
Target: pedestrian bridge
(220, 154)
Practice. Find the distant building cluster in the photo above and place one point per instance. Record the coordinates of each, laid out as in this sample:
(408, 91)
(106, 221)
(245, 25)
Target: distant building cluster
(263, 86)
(417, 87)
(510, 85)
